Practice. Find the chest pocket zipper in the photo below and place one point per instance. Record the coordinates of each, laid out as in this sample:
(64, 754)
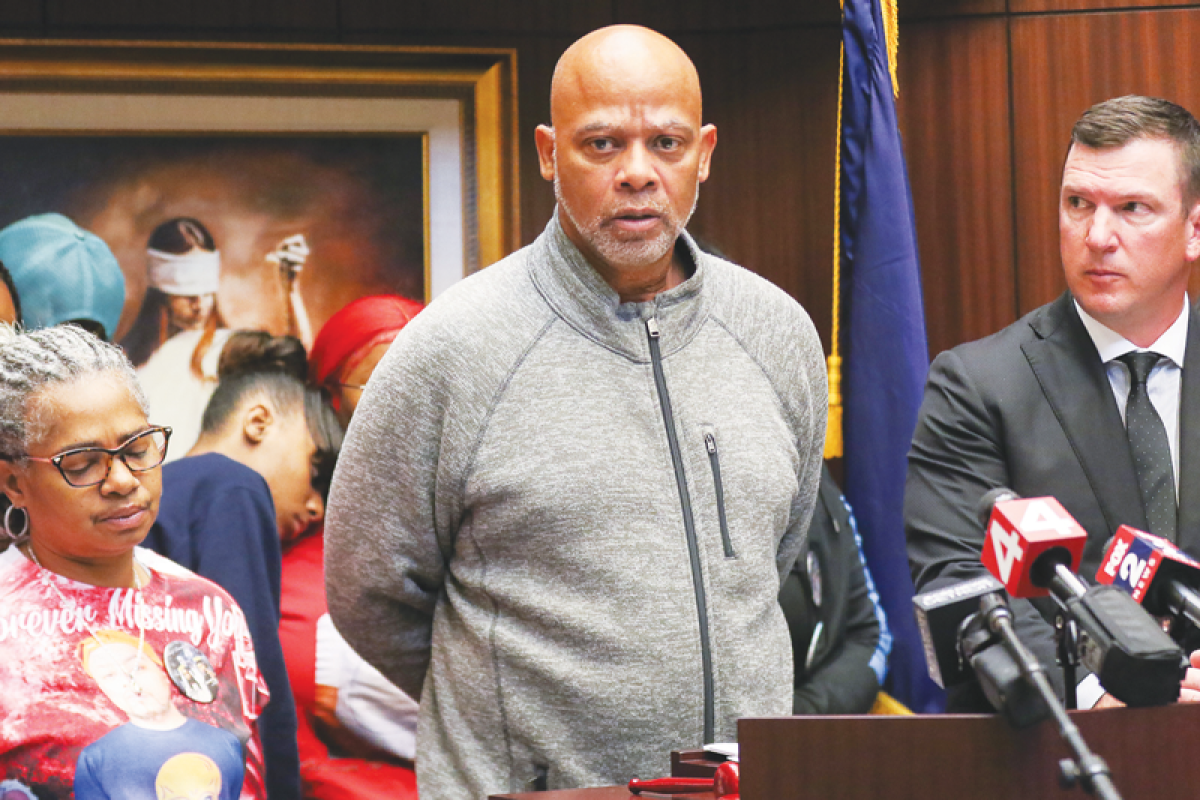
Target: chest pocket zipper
(714, 460)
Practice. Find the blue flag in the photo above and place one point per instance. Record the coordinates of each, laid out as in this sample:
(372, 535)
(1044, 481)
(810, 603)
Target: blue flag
(886, 354)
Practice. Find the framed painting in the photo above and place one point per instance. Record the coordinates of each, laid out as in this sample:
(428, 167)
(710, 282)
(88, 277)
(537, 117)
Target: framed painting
(397, 166)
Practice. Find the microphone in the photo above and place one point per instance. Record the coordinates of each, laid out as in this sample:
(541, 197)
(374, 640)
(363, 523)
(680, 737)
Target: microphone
(1154, 572)
(1033, 546)
(959, 648)
(940, 616)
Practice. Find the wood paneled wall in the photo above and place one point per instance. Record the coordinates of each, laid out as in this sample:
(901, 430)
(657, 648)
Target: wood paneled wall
(989, 91)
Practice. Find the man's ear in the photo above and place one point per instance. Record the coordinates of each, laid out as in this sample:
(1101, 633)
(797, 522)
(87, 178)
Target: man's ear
(1193, 239)
(11, 483)
(708, 143)
(544, 139)
(256, 421)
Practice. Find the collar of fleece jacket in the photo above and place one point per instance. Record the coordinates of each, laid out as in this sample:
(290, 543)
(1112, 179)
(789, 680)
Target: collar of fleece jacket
(580, 296)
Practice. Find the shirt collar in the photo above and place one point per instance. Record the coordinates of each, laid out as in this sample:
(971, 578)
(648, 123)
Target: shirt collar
(1112, 345)
(578, 295)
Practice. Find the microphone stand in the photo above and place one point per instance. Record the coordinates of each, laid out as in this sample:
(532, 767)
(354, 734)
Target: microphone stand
(1067, 638)
(1089, 770)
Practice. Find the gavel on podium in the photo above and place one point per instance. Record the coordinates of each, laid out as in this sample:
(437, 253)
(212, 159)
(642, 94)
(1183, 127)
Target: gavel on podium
(723, 785)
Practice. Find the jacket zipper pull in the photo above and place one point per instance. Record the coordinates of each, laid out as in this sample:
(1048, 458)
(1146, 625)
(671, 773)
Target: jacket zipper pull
(710, 443)
(652, 327)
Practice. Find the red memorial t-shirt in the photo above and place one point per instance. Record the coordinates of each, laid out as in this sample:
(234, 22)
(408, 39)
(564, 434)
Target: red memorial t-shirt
(127, 693)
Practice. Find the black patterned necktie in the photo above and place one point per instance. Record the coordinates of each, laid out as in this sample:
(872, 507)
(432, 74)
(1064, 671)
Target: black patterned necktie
(1150, 446)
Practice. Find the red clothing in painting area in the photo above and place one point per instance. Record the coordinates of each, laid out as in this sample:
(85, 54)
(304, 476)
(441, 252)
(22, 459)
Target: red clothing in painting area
(86, 670)
(326, 775)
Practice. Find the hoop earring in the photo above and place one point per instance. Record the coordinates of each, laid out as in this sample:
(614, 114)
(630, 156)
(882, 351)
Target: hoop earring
(8, 527)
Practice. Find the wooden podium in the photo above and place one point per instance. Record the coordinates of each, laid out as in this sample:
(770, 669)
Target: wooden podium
(1151, 753)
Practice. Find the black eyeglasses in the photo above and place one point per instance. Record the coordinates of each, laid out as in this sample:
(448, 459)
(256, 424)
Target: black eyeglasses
(359, 386)
(89, 466)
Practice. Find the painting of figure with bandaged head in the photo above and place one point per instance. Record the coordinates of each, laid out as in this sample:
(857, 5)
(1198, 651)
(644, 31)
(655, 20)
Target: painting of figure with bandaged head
(183, 270)
(177, 337)
(358, 202)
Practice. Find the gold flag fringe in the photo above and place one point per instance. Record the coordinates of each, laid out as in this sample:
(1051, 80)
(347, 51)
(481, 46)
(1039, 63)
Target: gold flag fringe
(890, 11)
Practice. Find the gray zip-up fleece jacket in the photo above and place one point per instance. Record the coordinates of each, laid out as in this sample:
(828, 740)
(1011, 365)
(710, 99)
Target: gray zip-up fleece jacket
(562, 522)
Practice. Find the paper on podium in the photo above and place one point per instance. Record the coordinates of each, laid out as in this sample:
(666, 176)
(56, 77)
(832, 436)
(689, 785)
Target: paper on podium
(727, 749)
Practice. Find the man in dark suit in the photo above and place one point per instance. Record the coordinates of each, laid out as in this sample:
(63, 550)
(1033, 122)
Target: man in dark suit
(1040, 407)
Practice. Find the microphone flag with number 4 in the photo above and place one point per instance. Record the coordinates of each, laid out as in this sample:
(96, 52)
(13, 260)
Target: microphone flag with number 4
(1019, 532)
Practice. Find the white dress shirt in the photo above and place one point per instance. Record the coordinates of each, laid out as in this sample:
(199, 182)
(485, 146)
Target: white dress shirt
(1166, 379)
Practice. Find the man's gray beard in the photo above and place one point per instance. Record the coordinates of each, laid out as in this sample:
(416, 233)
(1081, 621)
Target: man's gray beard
(619, 253)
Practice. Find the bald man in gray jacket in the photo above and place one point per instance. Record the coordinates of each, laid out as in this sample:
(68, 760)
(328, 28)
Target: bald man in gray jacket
(568, 498)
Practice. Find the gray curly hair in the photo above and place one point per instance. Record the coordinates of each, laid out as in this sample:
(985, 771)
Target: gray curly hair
(33, 361)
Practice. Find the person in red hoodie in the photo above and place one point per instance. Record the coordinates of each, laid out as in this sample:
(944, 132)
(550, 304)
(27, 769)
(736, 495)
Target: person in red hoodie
(356, 730)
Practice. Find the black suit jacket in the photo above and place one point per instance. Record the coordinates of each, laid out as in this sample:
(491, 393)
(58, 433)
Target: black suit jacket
(1031, 408)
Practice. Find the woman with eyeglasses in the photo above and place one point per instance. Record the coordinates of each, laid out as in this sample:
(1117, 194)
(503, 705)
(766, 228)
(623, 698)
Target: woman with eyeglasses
(352, 342)
(113, 660)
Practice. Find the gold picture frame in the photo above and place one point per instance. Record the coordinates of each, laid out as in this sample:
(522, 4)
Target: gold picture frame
(461, 101)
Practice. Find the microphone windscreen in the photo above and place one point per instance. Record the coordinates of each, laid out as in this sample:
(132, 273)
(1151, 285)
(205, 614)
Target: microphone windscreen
(1026, 539)
(1143, 564)
(1136, 662)
(983, 511)
(940, 614)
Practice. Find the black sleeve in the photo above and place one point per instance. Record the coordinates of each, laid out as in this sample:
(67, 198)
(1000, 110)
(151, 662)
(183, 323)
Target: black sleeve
(957, 456)
(243, 556)
(839, 678)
